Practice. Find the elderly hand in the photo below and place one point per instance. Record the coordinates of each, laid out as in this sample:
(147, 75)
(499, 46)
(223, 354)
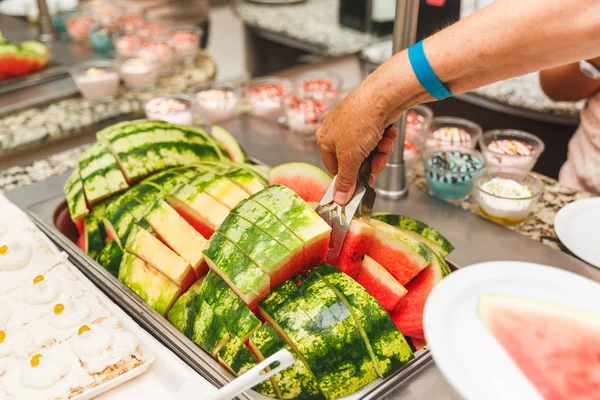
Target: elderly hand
(348, 135)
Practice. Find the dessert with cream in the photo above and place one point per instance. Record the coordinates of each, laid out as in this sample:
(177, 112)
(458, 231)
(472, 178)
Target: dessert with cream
(163, 52)
(511, 149)
(57, 339)
(78, 28)
(139, 73)
(450, 131)
(417, 123)
(217, 104)
(170, 109)
(305, 116)
(96, 82)
(266, 97)
(130, 23)
(128, 45)
(449, 173)
(505, 197)
(185, 43)
(319, 89)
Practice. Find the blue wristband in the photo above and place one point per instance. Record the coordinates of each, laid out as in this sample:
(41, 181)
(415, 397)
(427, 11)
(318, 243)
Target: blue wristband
(424, 72)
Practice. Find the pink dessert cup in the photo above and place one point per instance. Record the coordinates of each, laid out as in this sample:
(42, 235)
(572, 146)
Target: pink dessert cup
(525, 148)
(266, 97)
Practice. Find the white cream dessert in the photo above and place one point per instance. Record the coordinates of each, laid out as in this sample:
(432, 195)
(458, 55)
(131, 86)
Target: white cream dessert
(511, 153)
(266, 101)
(305, 116)
(319, 89)
(139, 73)
(171, 110)
(450, 136)
(98, 83)
(57, 340)
(505, 199)
(185, 44)
(217, 104)
(162, 52)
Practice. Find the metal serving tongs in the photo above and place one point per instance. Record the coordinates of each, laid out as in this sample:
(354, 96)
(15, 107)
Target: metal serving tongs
(340, 217)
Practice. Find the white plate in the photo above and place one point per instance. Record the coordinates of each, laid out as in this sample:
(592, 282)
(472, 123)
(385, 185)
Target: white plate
(466, 353)
(576, 225)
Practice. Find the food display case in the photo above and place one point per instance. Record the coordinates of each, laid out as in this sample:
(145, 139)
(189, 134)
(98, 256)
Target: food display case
(475, 239)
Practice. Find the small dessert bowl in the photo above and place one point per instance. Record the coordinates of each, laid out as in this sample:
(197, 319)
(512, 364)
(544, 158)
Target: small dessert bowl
(173, 108)
(140, 72)
(266, 96)
(185, 41)
(509, 148)
(449, 170)
(161, 49)
(418, 122)
(96, 80)
(507, 196)
(216, 101)
(452, 131)
(322, 86)
(304, 114)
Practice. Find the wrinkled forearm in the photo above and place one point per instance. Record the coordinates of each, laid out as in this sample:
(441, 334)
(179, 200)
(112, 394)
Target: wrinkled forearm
(506, 39)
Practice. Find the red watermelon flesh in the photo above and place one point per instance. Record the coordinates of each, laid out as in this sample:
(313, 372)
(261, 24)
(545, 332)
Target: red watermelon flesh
(308, 181)
(408, 314)
(82, 242)
(80, 224)
(417, 343)
(402, 256)
(556, 347)
(194, 220)
(356, 244)
(380, 284)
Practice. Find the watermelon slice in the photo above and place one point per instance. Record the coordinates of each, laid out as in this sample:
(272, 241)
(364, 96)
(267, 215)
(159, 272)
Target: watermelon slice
(380, 284)
(403, 256)
(308, 181)
(408, 315)
(556, 347)
(226, 139)
(356, 244)
(418, 230)
(417, 343)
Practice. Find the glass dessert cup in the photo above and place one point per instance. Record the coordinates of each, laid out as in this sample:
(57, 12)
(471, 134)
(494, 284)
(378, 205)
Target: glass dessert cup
(266, 97)
(418, 122)
(507, 196)
(304, 115)
(96, 80)
(127, 45)
(509, 148)
(139, 73)
(173, 108)
(216, 101)
(452, 131)
(449, 171)
(161, 49)
(185, 41)
(78, 27)
(321, 86)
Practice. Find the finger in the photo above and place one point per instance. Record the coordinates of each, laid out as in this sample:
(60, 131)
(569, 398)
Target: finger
(330, 161)
(346, 180)
(392, 133)
(371, 180)
(378, 163)
(386, 146)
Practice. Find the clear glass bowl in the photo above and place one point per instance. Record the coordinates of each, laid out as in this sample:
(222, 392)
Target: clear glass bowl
(418, 128)
(174, 108)
(96, 80)
(323, 86)
(139, 72)
(508, 203)
(509, 148)
(78, 27)
(185, 41)
(160, 47)
(127, 45)
(266, 96)
(449, 170)
(452, 131)
(217, 101)
(304, 115)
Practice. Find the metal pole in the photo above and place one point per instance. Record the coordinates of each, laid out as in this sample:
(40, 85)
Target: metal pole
(391, 183)
(47, 31)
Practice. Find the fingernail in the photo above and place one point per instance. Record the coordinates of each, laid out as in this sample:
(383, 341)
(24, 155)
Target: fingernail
(340, 197)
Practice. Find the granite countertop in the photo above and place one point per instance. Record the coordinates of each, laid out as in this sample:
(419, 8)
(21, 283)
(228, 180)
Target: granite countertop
(522, 92)
(314, 23)
(68, 117)
(539, 226)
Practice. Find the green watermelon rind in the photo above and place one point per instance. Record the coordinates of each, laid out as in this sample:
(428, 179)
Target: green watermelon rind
(389, 347)
(208, 331)
(419, 228)
(75, 196)
(228, 307)
(100, 174)
(110, 257)
(231, 145)
(184, 311)
(415, 246)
